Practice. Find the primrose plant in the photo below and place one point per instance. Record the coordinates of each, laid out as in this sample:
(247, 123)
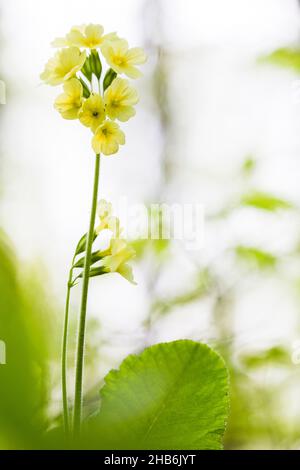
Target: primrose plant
(99, 100)
(76, 66)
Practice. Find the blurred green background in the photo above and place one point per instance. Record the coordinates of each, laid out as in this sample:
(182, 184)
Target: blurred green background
(218, 124)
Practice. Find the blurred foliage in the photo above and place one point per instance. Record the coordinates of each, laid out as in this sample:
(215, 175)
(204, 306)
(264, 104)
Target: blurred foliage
(254, 421)
(285, 57)
(145, 247)
(264, 201)
(23, 391)
(258, 408)
(255, 257)
(277, 355)
(203, 284)
(249, 165)
(157, 245)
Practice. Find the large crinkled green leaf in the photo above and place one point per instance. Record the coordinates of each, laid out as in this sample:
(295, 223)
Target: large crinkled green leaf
(172, 396)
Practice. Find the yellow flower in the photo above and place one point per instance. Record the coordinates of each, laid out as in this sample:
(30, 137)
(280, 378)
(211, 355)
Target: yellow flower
(107, 220)
(92, 113)
(63, 66)
(111, 223)
(107, 138)
(70, 102)
(119, 99)
(104, 209)
(122, 59)
(119, 255)
(89, 36)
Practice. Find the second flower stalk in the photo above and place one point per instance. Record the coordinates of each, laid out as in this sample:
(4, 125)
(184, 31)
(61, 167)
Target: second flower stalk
(113, 258)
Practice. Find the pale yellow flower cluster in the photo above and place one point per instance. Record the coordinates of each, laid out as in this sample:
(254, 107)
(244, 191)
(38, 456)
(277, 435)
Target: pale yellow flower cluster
(116, 257)
(77, 66)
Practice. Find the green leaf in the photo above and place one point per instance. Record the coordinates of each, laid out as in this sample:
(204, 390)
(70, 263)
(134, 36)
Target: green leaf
(256, 257)
(172, 396)
(109, 78)
(265, 201)
(286, 57)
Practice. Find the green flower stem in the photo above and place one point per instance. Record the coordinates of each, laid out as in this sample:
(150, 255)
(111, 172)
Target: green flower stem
(82, 319)
(64, 356)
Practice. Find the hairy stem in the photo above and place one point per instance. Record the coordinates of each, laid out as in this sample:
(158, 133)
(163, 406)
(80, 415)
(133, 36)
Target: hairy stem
(64, 356)
(82, 319)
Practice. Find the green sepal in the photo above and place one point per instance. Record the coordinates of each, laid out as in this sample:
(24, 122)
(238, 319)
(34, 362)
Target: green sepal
(95, 64)
(87, 69)
(93, 273)
(96, 256)
(86, 91)
(82, 244)
(97, 271)
(109, 78)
